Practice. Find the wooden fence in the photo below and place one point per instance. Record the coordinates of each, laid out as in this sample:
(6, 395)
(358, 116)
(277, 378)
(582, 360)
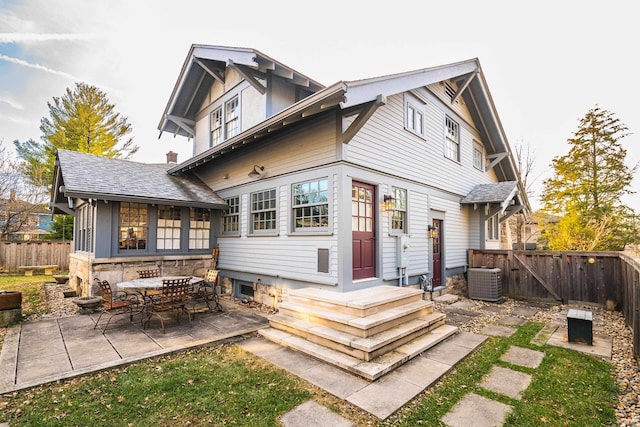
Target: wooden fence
(15, 254)
(592, 277)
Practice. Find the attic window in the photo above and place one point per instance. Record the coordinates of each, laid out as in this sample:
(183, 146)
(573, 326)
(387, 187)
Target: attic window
(449, 91)
(414, 115)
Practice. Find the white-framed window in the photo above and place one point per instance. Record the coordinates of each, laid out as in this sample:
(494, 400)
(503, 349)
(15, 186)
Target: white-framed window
(311, 204)
(493, 227)
(232, 117)
(199, 228)
(169, 224)
(263, 211)
(231, 217)
(414, 115)
(399, 213)
(216, 126)
(133, 226)
(452, 139)
(478, 156)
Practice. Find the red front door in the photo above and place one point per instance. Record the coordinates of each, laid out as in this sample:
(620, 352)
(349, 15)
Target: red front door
(362, 228)
(437, 254)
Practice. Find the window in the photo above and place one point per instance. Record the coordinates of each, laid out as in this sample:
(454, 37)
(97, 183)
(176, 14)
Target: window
(414, 117)
(168, 228)
(232, 118)
(133, 226)
(263, 210)
(478, 156)
(452, 139)
(83, 229)
(311, 204)
(399, 213)
(216, 127)
(493, 228)
(231, 217)
(199, 228)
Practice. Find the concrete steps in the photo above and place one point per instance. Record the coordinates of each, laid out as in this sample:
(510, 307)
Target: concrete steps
(367, 332)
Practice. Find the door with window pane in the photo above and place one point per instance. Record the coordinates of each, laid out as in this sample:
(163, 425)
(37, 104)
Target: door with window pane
(362, 230)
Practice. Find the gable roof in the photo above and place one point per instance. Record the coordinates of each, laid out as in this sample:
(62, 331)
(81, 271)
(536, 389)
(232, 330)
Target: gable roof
(204, 64)
(89, 176)
(502, 193)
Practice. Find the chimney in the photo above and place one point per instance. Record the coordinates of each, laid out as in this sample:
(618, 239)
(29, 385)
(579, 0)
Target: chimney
(172, 157)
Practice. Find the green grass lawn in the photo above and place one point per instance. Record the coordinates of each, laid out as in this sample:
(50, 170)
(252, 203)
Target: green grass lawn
(32, 288)
(224, 385)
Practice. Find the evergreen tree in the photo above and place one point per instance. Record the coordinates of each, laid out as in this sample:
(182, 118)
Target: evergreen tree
(81, 120)
(61, 228)
(586, 190)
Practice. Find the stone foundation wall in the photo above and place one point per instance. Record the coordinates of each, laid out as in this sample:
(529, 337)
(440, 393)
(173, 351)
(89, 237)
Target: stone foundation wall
(82, 272)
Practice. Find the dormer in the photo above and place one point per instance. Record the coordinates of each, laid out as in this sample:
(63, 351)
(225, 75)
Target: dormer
(222, 91)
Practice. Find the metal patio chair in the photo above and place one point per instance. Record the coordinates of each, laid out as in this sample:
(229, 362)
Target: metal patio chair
(115, 303)
(174, 296)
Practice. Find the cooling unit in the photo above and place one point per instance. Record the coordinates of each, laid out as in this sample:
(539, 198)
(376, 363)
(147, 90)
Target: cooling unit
(485, 284)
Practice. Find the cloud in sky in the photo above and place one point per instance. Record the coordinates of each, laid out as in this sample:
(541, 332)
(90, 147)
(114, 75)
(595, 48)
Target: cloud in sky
(42, 37)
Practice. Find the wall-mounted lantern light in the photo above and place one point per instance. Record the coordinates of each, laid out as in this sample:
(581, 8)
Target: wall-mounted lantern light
(389, 202)
(433, 231)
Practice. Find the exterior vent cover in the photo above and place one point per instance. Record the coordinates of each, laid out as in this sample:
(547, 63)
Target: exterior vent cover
(485, 284)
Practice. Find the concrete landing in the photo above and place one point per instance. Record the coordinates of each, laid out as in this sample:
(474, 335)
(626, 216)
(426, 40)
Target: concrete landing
(383, 396)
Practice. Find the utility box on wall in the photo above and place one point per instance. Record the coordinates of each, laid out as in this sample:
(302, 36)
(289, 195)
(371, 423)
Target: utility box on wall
(402, 251)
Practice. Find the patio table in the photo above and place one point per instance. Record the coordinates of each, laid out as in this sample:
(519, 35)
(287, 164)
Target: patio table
(143, 286)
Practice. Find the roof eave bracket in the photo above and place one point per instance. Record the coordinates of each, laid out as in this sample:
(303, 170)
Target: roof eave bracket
(249, 76)
(216, 74)
(366, 112)
(184, 124)
(495, 159)
(464, 85)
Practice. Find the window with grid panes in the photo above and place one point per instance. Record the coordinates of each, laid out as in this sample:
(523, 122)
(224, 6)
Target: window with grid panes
(263, 210)
(133, 226)
(231, 217)
(452, 139)
(311, 204)
(168, 236)
(399, 213)
(216, 127)
(199, 228)
(232, 118)
(478, 156)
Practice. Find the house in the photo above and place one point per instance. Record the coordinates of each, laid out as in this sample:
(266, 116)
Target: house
(21, 220)
(388, 180)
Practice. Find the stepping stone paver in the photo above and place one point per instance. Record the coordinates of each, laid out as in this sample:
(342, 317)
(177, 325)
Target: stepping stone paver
(524, 311)
(446, 298)
(544, 334)
(492, 309)
(523, 357)
(312, 414)
(477, 411)
(512, 320)
(498, 331)
(506, 381)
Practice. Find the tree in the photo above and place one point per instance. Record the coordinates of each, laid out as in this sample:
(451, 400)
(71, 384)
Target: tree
(525, 158)
(81, 120)
(587, 187)
(20, 203)
(61, 228)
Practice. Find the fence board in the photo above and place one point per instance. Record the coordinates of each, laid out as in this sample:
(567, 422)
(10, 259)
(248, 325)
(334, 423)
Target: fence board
(15, 254)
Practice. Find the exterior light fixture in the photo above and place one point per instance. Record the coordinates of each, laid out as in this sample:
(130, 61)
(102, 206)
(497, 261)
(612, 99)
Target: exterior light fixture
(389, 202)
(433, 231)
(256, 172)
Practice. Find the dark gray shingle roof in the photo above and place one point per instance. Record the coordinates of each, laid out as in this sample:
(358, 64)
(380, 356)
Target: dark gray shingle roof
(497, 192)
(91, 176)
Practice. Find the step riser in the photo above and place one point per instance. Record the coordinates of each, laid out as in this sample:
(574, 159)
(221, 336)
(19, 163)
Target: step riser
(353, 330)
(355, 352)
(354, 311)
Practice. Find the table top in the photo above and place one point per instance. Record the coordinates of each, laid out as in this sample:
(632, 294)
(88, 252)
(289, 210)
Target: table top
(153, 282)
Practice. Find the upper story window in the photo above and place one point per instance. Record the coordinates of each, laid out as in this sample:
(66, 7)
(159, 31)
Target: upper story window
(216, 127)
(493, 227)
(414, 115)
(133, 226)
(232, 118)
(231, 217)
(263, 211)
(199, 228)
(478, 156)
(399, 213)
(452, 139)
(168, 228)
(311, 204)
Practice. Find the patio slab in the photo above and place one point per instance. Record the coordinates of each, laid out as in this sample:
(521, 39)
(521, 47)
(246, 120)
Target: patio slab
(477, 411)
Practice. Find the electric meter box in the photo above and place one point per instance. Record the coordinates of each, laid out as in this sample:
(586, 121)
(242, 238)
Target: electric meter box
(403, 249)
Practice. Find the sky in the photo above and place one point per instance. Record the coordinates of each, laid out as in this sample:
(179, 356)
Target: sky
(547, 63)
